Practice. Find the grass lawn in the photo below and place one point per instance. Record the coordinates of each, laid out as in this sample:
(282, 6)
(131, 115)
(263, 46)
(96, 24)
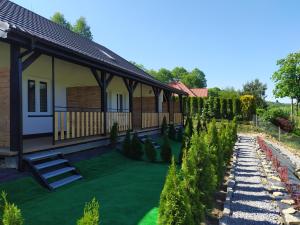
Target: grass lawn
(128, 192)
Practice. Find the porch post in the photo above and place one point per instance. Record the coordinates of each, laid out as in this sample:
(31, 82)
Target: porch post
(156, 94)
(16, 117)
(141, 106)
(53, 101)
(104, 99)
(180, 108)
(168, 96)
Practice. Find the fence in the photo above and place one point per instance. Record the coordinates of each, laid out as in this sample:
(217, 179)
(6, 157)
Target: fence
(276, 132)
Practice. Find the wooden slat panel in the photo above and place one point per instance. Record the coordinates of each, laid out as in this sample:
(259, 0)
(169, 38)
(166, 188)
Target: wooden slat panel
(78, 124)
(91, 123)
(68, 125)
(82, 124)
(95, 123)
(56, 126)
(87, 130)
(73, 119)
(62, 125)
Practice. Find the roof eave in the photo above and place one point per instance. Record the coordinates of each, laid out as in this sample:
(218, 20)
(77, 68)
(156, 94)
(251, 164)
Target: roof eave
(50, 48)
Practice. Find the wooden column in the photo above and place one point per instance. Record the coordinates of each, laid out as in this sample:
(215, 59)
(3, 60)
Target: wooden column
(104, 100)
(53, 100)
(16, 117)
(156, 92)
(168, 97)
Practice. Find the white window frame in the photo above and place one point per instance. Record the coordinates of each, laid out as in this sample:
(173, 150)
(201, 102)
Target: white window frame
(37, 96)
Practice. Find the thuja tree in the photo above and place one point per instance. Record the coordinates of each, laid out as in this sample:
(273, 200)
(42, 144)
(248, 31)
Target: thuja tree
(200, 105)
(191, 177)
(188, 104)
(205, 113)
(193, 106)
(230, 108)
(11, 213)
(207, 182)
(247, 106)
(172, 132)
(126, 146)
(212, 141)
(174, 207)
(164, 126)
(90, 214)
(211, 109)
(224, 108)
(136, 151)
(150, 151)
(199, 124)
(236, 107)
(166, 151)
(217, 107)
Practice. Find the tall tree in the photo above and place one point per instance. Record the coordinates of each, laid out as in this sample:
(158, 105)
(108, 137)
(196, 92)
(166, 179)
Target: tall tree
(179, 72)
(287, 78)
(81, 27)
(164, 75)
(195, 79)
(258, 90)
(59, 18)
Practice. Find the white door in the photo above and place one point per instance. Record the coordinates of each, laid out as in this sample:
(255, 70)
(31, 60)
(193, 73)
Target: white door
(37, 106)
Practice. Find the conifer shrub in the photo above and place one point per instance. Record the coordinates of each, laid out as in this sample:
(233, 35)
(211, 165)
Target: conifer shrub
(166, 151)
(126, 146)
(172, 132)
(194, 105)
(211, 109)
(164, 126)
(200, 105)
(191, 173)
(224, 108)
(174, 207)
(205, 113)
(136, 150)
(212, 141)
(150, 151)
(199, 125)
(11, 213)
(217, 107)
(236, 107)
(180, 134)
(90, 214)
(230, 108)
(114, 134)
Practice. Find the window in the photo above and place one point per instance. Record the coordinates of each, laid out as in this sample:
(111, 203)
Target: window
(43, 97)
(119, 102)
(31, 96)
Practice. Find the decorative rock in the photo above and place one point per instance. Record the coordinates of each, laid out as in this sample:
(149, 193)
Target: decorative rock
(288, 201)
(277, 194)
(290, 210)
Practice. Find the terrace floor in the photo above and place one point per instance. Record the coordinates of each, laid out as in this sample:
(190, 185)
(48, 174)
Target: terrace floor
(127, 190)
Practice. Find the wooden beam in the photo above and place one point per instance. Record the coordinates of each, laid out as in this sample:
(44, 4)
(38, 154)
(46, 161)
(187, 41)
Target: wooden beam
(16, 113)
(127, 84)
(135, 84)
(104, 99)
(95, 73)
(109, 79)
(27, 62)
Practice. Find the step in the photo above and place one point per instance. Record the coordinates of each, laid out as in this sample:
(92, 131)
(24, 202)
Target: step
(58, 172)
(40, 156)
(64, 181)
(50, 164)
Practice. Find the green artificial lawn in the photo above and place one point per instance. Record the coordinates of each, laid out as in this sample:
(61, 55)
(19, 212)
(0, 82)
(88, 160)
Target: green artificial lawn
(128, 192)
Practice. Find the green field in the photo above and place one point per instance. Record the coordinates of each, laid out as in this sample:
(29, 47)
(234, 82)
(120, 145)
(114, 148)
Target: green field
(128, 192)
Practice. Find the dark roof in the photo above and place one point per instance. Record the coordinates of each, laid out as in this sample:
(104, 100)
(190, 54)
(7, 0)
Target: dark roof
(35, 25)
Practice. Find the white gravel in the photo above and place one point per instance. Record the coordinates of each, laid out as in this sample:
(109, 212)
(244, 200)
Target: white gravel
(250, 202)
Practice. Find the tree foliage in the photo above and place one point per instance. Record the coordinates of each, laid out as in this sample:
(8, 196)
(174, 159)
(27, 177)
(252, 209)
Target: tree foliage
(174, 207)
(136, 151)
(81, 26)
(11, 213)
(258, 90)
(247, 106)
(150, 151)
(90, 214)
(166, 151)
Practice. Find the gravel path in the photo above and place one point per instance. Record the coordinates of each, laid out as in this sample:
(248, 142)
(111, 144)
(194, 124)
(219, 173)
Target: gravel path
(250, 203)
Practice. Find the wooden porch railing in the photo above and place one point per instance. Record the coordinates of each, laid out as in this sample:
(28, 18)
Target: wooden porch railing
(153, 119)
(122, 118)
(177, 118)
(70, 125)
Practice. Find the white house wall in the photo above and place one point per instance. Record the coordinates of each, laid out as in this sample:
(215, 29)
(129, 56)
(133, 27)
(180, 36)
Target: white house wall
(117, 86)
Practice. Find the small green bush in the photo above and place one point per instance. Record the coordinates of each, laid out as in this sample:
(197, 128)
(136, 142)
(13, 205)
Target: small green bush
(127, 144)
(172, 132)
(180, 135)
(150, 151)
(136, 151)
(166, 151)
(273, 113)
(90, 214)
(11, 213)
(114, 134)
(164, 126)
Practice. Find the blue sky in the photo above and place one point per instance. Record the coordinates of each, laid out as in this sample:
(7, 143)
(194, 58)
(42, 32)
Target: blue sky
(232, 41)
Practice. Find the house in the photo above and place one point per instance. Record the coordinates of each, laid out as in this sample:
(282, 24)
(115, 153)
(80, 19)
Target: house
(62, 91)
(192, 92)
